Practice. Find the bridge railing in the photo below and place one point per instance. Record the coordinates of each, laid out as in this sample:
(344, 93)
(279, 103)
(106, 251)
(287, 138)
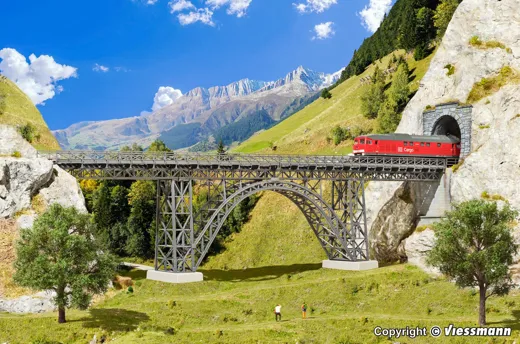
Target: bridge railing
(245, 160)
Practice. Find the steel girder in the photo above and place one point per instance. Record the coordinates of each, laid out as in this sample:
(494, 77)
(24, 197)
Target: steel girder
(184, 237)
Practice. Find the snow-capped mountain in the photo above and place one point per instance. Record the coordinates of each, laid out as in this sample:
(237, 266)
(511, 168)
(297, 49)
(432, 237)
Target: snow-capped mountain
(212, 108)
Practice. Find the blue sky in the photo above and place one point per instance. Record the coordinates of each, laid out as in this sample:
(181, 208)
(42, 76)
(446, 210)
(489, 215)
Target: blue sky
(145, 46)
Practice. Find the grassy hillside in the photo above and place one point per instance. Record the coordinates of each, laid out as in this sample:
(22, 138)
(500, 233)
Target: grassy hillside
(306, 131)
(16, 109)
(237, 307)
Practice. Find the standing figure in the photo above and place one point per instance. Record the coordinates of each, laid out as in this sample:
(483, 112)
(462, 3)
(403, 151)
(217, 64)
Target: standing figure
(277, 312)
(304, 310)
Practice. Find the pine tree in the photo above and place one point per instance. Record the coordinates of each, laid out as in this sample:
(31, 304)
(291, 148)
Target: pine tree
(221, 149)
(443, 15)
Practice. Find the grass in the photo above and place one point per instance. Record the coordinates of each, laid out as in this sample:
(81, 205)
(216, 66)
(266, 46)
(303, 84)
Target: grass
(456, 167)
(236, 307)
(16, 109)
(484, 126)
(491, 85)
(475, 41)
(450, 68)
(307, 131)
(495, 197)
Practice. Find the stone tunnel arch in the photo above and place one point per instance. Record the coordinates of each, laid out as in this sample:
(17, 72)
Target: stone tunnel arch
(324, 221)
(450, 119)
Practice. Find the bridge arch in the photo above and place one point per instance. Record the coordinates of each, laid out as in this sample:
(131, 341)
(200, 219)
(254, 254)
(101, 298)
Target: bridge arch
(323, 220)
(450, 119)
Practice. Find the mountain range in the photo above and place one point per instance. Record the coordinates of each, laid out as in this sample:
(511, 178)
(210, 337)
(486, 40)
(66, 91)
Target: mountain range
(230, 113)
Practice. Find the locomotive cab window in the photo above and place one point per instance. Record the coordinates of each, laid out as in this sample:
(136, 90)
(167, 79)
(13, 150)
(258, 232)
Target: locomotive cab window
(375, 142)
(422, 144)
(405, 143)
(362, 141)
(427, 144)
(369, 142)
(438, 144)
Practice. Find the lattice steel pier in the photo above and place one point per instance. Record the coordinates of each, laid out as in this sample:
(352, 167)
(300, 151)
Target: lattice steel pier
(329, 191)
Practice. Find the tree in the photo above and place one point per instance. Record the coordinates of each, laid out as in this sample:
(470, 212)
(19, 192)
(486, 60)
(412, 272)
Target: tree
(378, 76)
(158, 146)
(474, 246)
(220, 148)
(443, 15)
(372, 100)
(134, 148)
(61, 253)
(141, 233)
(400, 91)
(325, 94)
(388, 117)
(338, 135)
(425, 29)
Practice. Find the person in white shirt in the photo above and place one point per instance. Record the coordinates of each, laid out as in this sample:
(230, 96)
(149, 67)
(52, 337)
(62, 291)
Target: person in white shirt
(277, 312)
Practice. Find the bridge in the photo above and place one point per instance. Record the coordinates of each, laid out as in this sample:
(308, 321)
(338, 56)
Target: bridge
(329, 190)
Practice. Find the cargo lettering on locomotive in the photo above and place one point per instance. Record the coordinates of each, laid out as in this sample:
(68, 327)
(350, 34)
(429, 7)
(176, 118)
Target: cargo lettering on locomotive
(405, 144)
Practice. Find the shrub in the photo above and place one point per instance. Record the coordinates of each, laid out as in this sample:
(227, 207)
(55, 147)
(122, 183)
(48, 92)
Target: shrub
(16, 154)
(456, 167)
(488, 86)
(325, 94)
(484, 126)
(485, 195)
(338, 135)
(130, 290)
(422, 228)
(170, 331)
(450, 68)
(28, 131)
(475, 41)
(171, 303)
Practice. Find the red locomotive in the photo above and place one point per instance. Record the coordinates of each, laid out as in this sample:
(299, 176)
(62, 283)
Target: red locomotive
(404, 144)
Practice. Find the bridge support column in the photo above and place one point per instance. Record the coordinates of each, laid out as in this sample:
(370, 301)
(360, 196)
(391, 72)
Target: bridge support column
(348, 201)
(174, 240)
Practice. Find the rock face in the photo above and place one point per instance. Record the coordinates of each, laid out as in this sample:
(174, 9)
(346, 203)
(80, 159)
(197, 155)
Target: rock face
(64, 189)
(417, 247)
(493, 164)
(37, 303)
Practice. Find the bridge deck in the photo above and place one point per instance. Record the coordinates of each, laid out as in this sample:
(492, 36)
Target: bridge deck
(148, 165)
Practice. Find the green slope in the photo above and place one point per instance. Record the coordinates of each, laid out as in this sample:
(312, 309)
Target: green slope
(16, 109)
(237, 307)
(306, 131)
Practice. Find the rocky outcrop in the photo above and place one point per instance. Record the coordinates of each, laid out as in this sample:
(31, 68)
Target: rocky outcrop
(494, 162)
(37, 303)
(65, 190)
(417, 247)
(22, 179)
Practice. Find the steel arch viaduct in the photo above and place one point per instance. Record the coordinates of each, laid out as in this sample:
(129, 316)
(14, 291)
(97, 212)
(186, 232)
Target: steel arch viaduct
(329, 190)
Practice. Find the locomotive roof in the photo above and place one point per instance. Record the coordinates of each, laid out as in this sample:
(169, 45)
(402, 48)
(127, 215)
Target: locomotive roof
(407, 137)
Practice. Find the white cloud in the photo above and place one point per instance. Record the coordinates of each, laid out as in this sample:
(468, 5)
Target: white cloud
(100, 68)
(317, 6)
(165, 96)
(236, 7)
(180, 5)
(204, 15)
(151, 2)
(324, 30)
(121, 69)
(38, 78)
(373, 14)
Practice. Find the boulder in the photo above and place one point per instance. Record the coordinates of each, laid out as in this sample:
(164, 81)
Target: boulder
(417, 247)
(37, 303)
(22, 179)
(64, 189)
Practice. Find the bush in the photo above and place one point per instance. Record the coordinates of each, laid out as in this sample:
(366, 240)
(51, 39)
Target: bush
(338, 135)
(172, 303)
(325, 94)
(16, 154)
(372, 100)
(130, 290)
(450, 68)
(475, 41)
(28, 131)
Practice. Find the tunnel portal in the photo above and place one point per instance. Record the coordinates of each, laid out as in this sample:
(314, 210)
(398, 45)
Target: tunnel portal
(450, 119)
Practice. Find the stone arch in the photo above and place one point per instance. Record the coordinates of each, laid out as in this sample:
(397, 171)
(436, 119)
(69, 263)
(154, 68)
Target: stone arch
(453, 119)
(325, 223)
